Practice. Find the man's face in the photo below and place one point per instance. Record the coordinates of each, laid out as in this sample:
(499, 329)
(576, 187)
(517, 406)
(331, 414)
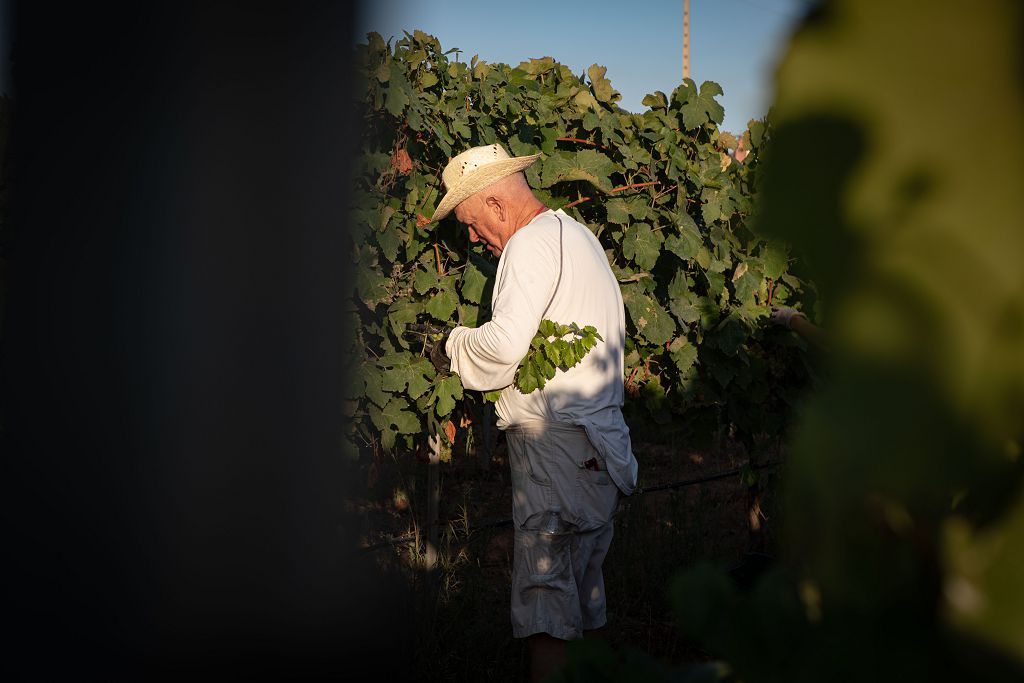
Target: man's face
(483, 223)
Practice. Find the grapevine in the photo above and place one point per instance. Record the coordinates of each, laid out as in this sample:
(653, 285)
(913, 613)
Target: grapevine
(659, 189)
(551, 351)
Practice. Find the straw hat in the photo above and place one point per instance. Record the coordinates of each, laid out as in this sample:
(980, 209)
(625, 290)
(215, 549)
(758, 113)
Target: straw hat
(475, 169)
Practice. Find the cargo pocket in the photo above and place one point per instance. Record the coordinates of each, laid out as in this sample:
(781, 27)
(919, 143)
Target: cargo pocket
(596, 497)
(530, 486)
(545, 572)
(544, 594)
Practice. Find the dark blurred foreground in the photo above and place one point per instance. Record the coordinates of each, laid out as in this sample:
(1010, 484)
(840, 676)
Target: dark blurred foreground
(171, 387)
(895, 171)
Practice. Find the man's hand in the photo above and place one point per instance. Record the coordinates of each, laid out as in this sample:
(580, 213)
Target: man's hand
(433, 338)
(783, 315)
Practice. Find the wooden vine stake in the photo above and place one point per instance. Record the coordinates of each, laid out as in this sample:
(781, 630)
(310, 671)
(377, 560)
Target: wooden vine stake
(433, 502)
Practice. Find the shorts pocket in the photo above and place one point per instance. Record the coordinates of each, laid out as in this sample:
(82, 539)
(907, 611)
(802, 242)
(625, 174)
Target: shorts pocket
(526, 459)
(531, 493)
(545, 569)
(544, 594)
(596, 497)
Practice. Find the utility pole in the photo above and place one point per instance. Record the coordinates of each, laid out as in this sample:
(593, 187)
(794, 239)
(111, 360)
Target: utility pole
(686, 38)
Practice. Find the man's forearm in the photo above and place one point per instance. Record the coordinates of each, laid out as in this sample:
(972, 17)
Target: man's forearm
(809, 331)
(486, 357)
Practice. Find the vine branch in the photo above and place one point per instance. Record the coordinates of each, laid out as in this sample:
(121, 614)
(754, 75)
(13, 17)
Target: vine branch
(611, 191)
(584, 142)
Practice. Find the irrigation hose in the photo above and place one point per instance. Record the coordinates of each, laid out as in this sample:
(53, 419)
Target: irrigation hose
(408, 538)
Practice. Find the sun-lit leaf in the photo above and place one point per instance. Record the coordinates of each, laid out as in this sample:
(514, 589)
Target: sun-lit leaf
(657, 99)
(642, 245)
(427, 105)
(700, 107)
(587, 165)
(603, 90)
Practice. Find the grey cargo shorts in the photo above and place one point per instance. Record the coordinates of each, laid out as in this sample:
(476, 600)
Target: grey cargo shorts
(562, 512)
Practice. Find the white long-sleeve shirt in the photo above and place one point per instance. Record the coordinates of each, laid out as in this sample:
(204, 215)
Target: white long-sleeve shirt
(588, 395)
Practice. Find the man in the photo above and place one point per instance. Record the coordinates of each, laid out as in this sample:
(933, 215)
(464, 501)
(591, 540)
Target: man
(792, 319)
(569, 447)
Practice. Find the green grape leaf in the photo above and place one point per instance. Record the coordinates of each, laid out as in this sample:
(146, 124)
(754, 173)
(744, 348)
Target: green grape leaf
(549, 350)
(400, 314)
(729, 335)
(404, 370)
(683, 305)
(587, 165)
(747, 284)
(548, 328)
(700, 107)
(372, 380)
(544, 366)
(562, 350)
(656, 100)
(723, 373)
(688, 241)
(618, 211)
(446, 391)
(425, 279)
(395, 418)
(683, 354)
(602, 87)
(527, 378)
(642, 245)
(712, 208)
(442, 305)
(553, 352)
(473, 283)
(371, 285)
(385, 217)
(656, 401)
(716, 283)
(703, 257)
(775, 258)
(469, 315)
(390, 242)
(398, 91)
(756, 129)
(651, 320)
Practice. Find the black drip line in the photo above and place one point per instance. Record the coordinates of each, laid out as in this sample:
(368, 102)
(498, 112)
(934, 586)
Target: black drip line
(410, 537)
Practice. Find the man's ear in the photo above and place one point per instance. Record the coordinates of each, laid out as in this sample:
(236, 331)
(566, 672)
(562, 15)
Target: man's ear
(497, 205)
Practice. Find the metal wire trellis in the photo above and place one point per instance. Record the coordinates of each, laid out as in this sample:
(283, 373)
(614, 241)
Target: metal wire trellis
(413, 536)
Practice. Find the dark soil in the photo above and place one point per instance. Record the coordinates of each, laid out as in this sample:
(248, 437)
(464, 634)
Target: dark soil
(461, 606)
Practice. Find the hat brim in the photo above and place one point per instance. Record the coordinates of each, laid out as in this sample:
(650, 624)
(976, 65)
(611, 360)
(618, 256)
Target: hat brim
(479, 179)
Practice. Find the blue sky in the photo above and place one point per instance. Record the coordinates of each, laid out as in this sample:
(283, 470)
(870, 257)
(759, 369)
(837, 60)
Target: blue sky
(734, 42)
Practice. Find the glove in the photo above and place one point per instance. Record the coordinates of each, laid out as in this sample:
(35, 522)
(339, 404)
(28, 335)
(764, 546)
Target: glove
(433, 338)
(783, 315)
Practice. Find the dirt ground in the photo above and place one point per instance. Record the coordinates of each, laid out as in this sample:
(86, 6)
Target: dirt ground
(461, 605)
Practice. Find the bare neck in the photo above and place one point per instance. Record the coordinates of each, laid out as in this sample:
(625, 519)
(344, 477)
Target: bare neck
(530, 210)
